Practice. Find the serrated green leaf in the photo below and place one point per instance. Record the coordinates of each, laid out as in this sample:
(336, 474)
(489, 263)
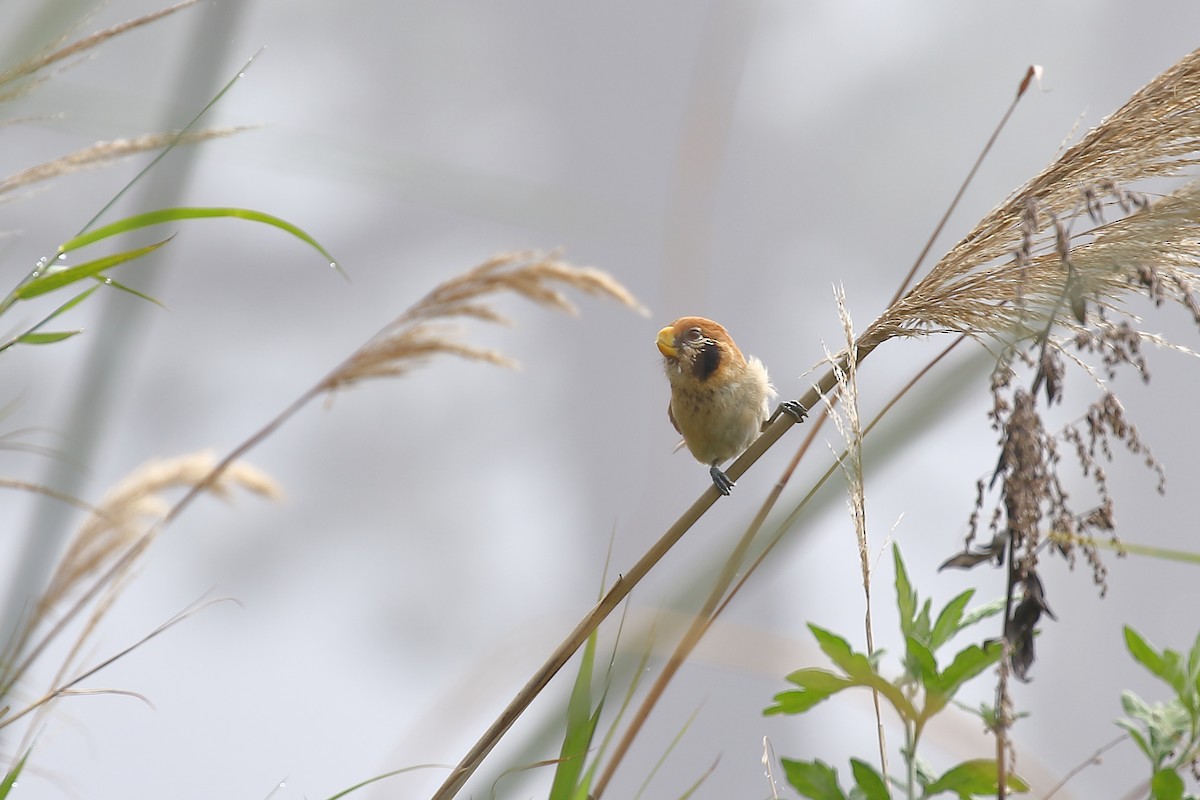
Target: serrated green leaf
(1166, 785)
(978, 776)
(50, 337)
(860, 671)
(869, 782)
(855, 665)
(813, 779)
(1135, 706)
(949, 620)
(985, 611)
(1144, 653)
(923, 624)
(1193, 666)
(816, 685)
(1135, 733)
(58, 278)
(906, 596)
(967, 664)
(919, 661)
(163, 215)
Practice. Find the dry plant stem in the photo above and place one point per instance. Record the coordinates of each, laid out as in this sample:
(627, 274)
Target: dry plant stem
(704, 618)
(816, 425)
(86, 43)
(101, 153)
(1094, 758)
(689, 642)
(575, 639)
(66, 687)
(1030, 74)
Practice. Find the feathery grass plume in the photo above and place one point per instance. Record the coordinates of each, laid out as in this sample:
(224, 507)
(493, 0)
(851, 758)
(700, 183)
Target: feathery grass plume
(120, 518)
(413, 337)
(57, 51)
(101, 153)
(975, 289)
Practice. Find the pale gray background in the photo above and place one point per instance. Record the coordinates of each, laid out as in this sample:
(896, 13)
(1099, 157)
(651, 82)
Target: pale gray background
(442, 532)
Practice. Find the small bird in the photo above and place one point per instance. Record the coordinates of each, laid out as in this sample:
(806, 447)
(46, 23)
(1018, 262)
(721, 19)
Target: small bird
(720, 400)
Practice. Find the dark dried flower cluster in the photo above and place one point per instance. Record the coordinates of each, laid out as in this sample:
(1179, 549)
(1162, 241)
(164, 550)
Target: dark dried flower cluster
(1033, 511)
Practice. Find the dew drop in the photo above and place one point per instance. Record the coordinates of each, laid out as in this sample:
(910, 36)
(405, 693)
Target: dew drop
(62, 256)
(333, 265)
(108, 281)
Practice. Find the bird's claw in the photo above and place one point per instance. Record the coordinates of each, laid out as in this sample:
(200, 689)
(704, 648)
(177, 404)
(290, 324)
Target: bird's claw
(721, 480)
(793, 408)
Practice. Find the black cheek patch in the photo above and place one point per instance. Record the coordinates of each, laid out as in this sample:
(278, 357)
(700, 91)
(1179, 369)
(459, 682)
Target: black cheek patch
(708, 359)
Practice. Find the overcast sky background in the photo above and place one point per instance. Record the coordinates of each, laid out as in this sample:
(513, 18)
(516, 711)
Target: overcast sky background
(442, 532)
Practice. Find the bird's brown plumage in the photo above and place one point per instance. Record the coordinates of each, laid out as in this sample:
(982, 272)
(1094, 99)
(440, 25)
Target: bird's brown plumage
(719, 398)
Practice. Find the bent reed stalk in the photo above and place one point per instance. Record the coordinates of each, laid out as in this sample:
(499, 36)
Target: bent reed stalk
(1008, 275)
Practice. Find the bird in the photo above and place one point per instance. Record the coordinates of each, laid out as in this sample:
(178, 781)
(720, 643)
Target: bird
(720, 399)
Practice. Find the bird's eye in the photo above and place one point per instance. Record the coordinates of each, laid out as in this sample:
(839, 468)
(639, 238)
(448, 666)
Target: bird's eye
(693, 334)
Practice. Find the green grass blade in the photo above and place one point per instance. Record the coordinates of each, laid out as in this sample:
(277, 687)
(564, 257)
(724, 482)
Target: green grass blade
(10, 778)
(163, 215)
(32, 332)
(581, 727)
(63, 277)
(107, 281)
(49, 337)
(191, 124)
(377, 778)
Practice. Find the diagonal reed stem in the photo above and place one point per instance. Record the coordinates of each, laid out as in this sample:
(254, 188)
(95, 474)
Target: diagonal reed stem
(620, 590)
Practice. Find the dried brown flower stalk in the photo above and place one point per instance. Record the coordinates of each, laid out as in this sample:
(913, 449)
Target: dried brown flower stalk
(101, 153)
(60, 52)
(415, 336)
(121, 517)
(977, 289)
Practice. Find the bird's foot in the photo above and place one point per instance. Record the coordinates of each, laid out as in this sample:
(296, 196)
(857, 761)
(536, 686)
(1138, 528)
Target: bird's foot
(721, 480)
(794, 409)
(790, 407)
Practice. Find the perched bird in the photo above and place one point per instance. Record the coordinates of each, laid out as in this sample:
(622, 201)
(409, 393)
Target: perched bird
(720, 400)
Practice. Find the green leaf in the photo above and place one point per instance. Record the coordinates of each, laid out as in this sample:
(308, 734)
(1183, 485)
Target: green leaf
(1166, 785)
(814, 779)
(920, 662)
(979, 776)
(67, 306)
(949, 620)
(815, 685)
(1193, 666)
(855, 665)
(922, 625)
(869, 782)
(107, 281)
(1135, 733)
(14, 772)
(983, 612)
(966, 665)
(1135, 706)
(1144, 653)
(57, 278)
(906, 596)
(175, 214)
(581, 727)
(50, 337)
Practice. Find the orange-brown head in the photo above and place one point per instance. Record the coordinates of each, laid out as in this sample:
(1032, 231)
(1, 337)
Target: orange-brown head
(698, 349)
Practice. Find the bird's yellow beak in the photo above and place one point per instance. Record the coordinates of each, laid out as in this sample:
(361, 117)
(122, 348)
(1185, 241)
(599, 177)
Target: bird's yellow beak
(666, 343)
